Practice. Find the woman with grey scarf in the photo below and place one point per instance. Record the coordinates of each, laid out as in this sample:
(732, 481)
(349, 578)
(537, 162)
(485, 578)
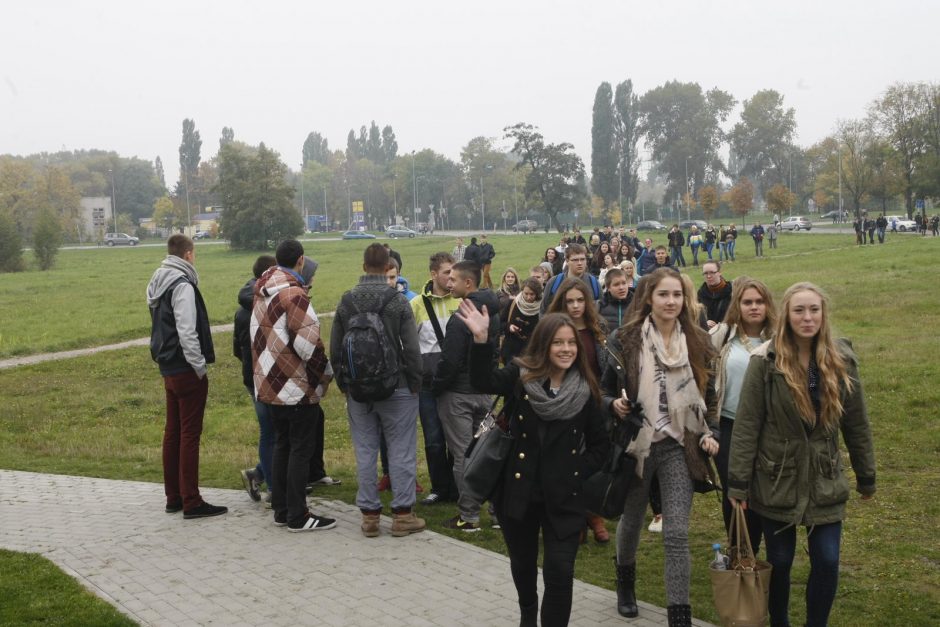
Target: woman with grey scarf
(552, 405)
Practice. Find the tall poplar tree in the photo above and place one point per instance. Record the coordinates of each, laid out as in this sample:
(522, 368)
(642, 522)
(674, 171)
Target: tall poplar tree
(604, 158)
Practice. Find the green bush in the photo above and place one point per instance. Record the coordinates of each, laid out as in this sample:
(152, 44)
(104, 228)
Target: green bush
(46, 239)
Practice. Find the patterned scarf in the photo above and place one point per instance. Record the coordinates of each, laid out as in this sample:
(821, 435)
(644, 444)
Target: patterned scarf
(666, 368)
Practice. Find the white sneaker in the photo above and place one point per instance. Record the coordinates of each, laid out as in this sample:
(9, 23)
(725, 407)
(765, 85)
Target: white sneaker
(656, 525)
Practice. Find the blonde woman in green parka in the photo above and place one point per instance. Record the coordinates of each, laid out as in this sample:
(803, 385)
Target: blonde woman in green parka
(800, 390)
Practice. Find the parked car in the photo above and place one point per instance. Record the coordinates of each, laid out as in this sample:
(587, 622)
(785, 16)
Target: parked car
(834, 215)
(396, 230)
(202, 235)
(120, 239)
(685, 225)
(525, 226)
(650, 225)
(796, 223)
(901, 223)
(358, 235)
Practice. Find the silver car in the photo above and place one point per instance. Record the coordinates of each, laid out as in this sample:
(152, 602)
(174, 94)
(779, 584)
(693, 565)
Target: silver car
(120, 239)
(796, 223)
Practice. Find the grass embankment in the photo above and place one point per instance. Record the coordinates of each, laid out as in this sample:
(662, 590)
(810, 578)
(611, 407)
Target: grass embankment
(36, 592)
(102, 415)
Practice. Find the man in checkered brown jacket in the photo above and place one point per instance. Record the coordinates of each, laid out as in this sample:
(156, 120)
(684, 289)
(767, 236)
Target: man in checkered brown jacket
(290, 375)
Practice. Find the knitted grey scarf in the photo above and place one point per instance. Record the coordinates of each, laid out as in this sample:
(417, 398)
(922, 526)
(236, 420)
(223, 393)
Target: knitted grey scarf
(570, 400)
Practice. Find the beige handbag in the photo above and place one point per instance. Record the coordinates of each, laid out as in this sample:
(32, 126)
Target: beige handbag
(742, 590)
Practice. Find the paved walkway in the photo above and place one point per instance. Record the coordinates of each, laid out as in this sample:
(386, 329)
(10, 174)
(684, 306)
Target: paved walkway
(239, 569)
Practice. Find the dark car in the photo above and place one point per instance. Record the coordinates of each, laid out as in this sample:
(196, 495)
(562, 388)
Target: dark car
(687, 224)
(650, 225)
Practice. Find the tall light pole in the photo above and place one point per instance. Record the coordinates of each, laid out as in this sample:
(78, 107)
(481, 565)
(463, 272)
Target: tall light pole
(688, 191)
(414, 189)
(303, 206)
(326, 213)
(189, 219)
(483, 198)
(113, 201)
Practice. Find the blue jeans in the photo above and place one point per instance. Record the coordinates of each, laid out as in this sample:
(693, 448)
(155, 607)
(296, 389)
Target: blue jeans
(440, 464)
(677, 257)
(266, 440)
(780, 542)
(695, 248)
(708, 250)
(730, 247)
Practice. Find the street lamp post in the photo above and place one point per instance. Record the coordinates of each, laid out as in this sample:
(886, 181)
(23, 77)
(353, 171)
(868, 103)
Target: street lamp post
(113, 200)
(688, 191)
(326, 213)
(414, 189)
(303, 206)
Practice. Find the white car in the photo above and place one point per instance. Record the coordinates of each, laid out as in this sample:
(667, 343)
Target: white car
(796, 223)
(900, 223)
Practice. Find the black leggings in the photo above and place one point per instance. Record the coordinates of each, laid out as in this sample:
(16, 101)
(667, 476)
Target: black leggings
(522, 540)
(721, 461)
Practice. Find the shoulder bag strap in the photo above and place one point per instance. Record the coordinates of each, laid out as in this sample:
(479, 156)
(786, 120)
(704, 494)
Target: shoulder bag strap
(434, 321)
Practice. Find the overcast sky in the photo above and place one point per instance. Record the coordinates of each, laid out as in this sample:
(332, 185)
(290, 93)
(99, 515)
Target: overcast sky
(122, 75)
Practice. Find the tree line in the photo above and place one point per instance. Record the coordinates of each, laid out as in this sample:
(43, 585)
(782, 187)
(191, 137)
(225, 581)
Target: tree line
(698, 162)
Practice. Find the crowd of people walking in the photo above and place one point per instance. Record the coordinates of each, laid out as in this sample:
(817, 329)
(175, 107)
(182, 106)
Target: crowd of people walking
(601, 334)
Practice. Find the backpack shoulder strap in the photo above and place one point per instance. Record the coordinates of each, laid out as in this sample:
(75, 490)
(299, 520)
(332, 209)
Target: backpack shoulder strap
(555, 283)
(596, 287)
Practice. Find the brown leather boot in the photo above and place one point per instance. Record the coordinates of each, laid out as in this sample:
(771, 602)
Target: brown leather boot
(406, 523)
(370, 524)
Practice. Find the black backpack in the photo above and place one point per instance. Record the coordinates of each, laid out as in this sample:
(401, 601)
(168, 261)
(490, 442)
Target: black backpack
(369, 360)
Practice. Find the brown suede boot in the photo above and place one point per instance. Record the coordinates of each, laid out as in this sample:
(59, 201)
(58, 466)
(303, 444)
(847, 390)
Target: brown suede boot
(405, 523)
(370, 524)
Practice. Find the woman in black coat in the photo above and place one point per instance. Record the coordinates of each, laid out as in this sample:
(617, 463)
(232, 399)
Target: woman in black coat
(553, 407)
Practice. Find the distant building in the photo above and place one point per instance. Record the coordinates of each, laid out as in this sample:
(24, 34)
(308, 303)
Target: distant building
(208, 221)
(94, 217)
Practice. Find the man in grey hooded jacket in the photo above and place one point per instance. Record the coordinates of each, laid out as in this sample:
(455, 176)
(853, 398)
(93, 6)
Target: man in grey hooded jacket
(181, 344)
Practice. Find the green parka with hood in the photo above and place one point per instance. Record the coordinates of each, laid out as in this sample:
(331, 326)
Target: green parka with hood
(781, 471)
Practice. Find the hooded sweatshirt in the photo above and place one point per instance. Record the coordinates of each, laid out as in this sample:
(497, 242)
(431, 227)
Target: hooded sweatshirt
(443, 308)
(453, 369)
(180, 339)
(289, 359)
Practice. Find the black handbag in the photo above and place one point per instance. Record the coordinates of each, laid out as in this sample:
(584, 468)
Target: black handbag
(486, 456)
(605, 491)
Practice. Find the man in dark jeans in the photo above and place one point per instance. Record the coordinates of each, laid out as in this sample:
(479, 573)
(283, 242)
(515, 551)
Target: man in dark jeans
(181, 344)
(437, 300)
(290, 376)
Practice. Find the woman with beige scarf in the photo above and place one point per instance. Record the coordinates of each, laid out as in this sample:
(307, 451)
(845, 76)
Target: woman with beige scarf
(659, 359)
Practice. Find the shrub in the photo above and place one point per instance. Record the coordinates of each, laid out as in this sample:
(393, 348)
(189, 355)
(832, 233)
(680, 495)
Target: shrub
(11, 246)
(47, 237)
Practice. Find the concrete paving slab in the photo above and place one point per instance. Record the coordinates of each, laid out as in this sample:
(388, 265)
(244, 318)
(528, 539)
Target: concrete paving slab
(239, 569)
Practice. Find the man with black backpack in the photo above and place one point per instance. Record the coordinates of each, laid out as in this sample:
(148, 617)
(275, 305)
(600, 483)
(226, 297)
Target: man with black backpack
(374, 346)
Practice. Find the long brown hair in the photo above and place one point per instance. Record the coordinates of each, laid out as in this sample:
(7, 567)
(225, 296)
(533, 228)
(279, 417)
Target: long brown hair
(535, 358)
(833, 370)
(696, 340)
(733, 316)
(592, 320)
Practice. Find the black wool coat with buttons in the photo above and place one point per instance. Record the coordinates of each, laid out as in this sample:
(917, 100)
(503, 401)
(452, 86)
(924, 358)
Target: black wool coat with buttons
(549, 459)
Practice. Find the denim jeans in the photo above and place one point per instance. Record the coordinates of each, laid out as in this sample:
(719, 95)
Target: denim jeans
(823, 578)
(695, 248)
(440, 464)
(677, 258)
(266, 438)
(730, 249)
(708, 250)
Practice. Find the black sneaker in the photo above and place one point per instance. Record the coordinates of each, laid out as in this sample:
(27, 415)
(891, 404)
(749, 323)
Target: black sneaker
(312, 522)
(251, 483)
(205, 511)
(463, 525)
(280, 522)
(174, 508)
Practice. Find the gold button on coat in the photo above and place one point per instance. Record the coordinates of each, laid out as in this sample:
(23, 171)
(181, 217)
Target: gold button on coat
(518, 475)
(521, 455)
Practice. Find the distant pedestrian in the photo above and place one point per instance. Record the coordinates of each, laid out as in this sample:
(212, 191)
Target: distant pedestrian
(459, 250)
(676, 242)
(772, 232)
(487, 253)
(181, 344)
(757, 234)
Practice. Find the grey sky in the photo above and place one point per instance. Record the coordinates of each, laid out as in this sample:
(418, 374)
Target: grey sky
(123, 75)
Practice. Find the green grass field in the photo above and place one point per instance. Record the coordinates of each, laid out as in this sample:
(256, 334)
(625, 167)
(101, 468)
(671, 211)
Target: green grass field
(102, 415)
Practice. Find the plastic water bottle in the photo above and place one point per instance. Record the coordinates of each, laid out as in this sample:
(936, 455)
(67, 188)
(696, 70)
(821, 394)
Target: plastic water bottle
(721, 560)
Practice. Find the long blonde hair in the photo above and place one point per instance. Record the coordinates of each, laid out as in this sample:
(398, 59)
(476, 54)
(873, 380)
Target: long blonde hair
(833, 370)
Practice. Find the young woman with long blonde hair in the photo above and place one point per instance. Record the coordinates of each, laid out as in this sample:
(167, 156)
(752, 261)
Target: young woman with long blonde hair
(800, 390)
